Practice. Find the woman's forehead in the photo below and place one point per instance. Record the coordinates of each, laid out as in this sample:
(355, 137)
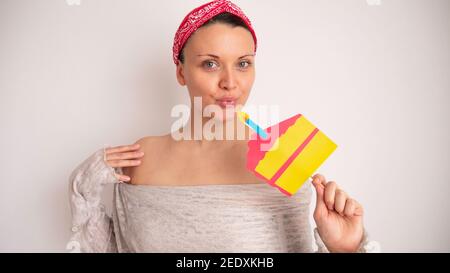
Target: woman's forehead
(221, 39)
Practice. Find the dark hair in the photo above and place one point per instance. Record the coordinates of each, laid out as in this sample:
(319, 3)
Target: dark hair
(224, 18)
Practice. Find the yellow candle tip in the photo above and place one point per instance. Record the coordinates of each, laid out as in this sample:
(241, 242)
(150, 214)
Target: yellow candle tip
(243, 116)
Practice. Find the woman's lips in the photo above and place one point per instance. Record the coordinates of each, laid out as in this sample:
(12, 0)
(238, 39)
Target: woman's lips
(224, 103)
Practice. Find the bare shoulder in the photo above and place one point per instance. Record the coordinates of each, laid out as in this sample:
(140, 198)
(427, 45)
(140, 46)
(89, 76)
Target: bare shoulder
(153, 147)
(153, 142)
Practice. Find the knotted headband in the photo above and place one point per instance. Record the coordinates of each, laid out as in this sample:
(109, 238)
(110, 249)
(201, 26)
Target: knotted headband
(199, 16)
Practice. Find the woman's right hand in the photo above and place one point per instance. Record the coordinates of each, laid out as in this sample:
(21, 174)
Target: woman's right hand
(123, 156)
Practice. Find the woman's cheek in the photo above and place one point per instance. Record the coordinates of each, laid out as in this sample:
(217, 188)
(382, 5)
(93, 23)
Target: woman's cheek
(247, 86)
(206, 84)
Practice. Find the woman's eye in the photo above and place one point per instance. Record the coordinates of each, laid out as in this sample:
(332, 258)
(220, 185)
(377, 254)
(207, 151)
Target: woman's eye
(244, 64)
(209, 65)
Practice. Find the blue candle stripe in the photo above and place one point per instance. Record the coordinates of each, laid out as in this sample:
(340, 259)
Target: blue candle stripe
(257, 129)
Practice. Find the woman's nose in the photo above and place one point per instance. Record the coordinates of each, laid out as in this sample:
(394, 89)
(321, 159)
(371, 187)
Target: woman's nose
(228, 79)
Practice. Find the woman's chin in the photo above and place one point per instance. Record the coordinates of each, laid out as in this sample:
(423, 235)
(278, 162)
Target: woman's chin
(227, 114)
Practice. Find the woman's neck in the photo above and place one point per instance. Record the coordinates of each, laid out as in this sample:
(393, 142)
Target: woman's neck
(214, 131)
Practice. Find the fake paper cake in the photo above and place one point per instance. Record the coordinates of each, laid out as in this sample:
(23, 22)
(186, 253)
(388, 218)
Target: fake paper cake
(290, 154)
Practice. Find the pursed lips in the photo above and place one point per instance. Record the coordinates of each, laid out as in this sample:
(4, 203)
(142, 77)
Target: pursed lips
(227, 102)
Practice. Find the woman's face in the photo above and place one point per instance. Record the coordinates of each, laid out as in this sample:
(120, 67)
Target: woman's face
(219, 66)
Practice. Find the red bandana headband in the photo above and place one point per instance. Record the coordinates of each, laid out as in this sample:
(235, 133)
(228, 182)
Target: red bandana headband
(200, 16)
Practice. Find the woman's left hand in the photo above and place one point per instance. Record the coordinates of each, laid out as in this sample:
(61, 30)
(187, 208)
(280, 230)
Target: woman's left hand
(338, 217)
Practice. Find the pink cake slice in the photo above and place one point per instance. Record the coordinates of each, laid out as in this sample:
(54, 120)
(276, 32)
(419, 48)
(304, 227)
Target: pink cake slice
(256, 153)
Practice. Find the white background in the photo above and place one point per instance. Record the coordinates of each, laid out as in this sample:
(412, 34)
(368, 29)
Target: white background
(373, 75)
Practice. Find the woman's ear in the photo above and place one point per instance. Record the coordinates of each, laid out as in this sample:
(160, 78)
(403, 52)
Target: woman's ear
(180, 74)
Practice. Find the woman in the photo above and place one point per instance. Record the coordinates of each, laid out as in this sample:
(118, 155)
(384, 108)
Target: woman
(196, 195)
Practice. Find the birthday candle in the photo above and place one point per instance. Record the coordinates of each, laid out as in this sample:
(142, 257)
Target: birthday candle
(244, 117)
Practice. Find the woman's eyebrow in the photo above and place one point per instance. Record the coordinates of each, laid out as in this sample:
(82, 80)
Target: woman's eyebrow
(248, 55)
(208, 55)
(217, 57)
